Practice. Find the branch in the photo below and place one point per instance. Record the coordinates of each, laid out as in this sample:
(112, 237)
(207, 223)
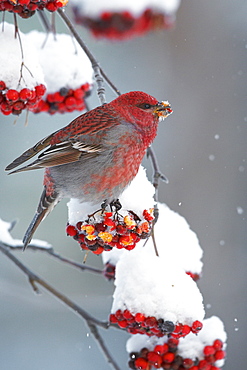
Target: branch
(52, 253)
(91, 321)
(98, 72)
(156, 176)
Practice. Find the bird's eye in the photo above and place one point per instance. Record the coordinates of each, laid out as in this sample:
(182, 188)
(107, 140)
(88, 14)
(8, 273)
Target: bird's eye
(145, 106)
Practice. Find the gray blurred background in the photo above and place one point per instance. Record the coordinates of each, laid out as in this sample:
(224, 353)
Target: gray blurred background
(200, 66)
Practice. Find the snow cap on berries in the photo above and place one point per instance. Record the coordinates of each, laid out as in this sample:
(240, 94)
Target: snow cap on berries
(15, 77)
(64, 62)
(145, 285)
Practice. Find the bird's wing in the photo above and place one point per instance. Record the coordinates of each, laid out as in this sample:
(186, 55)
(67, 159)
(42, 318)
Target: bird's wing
(28, 154)
(61, 153)
(67, 145)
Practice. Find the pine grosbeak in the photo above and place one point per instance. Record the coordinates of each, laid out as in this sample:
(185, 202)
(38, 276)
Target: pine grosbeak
(96, 156)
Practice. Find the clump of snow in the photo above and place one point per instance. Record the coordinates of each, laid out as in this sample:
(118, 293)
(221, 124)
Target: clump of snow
(145, 285)
(64, 62)
(134, 7)
(15, 71)
(189, 347)
(6, 238)
(176, 243)
(136, 197)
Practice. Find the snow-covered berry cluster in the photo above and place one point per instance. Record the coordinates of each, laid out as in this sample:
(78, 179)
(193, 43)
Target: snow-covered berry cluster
(124, 19)
(27, 8)
(163, 301)
(205, 351)
(42, 73)
(106, 230)
(22, 82)
(67, 70)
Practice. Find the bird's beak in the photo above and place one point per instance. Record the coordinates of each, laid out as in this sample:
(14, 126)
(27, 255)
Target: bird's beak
(162, 109)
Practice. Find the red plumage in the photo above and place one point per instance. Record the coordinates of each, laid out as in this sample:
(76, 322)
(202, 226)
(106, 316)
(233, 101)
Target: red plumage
(97, 155)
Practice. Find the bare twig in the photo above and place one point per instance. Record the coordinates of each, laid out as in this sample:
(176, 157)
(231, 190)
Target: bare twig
(45, 21)
(98, 72)
(101, 343)
(157, 175)
(57, 256)
(33, 279)
(91, 321)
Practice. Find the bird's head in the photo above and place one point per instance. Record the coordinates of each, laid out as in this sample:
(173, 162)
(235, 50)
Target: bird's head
(142, 109)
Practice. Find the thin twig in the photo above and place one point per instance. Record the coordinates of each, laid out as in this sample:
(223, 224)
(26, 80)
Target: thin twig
(91, 321)
(157, 175)
(52, 253)
(101, 343)
(33, 278)
(45, 21)
(98, 72)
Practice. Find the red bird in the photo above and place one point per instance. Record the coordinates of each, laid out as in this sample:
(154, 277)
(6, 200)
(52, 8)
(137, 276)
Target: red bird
(96, 156)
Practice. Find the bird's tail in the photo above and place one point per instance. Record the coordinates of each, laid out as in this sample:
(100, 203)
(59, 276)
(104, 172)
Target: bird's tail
(46, 205)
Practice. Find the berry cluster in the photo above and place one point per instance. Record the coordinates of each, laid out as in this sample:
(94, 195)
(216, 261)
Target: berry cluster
(140, 324)
(13, 101)
(123, 25)
(166, 356)
(64, 100)
(111, 230)
(26, 8)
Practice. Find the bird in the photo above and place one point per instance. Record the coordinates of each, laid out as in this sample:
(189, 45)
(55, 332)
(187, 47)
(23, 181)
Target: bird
(96, 156)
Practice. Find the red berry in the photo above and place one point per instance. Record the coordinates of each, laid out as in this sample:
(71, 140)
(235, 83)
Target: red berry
(40, 90)
(52, 7)
(139, 317)
(209, 350)
(58, 98)
(123, 323)
(12, 95)
(119, 314)
(2, 85)
(141, 364)
(155, 359)
(196, 326)
(169, 357)
(188, 363)
(218, 344)
(127, 315)
(219, 355)
(151, 321)
(161, 349)
(113, 318)
(18, 105)
(26, 94)
(78, 94)
(71, 230)
(204, 365)
(185, 330)
(173, 343)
